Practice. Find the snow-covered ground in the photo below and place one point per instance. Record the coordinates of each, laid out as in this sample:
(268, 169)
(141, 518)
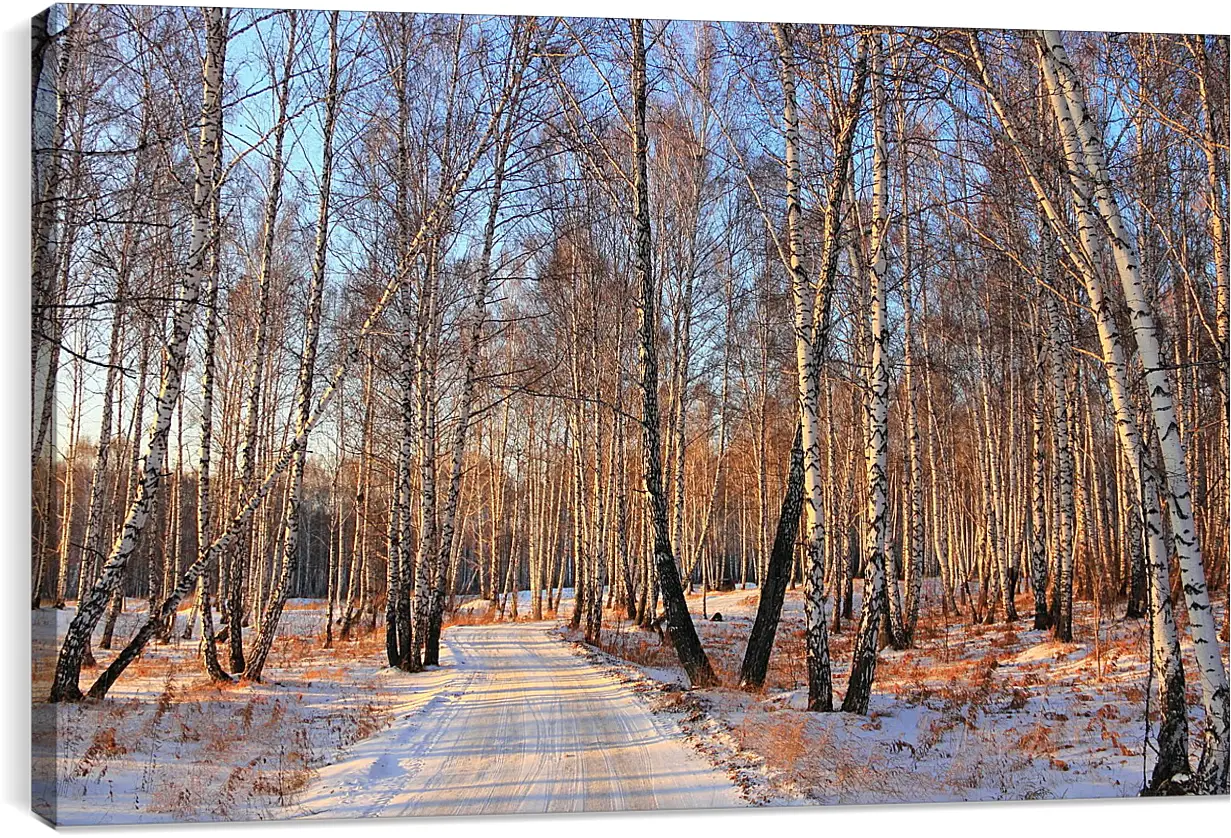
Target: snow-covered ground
(518, 724)
(168, 745)
(972, 713)
(521, 717)
(512, 721)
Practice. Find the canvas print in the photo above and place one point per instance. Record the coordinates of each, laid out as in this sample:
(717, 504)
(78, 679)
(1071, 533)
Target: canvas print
(442, 414)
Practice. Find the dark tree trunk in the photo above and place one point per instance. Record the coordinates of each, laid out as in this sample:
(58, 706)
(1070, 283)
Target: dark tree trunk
(778, 569)
(679, 621)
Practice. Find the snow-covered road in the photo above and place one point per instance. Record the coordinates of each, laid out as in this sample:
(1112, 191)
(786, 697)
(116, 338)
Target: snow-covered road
(514, 721)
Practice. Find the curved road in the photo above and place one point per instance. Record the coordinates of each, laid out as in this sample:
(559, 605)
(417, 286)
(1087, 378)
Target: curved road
(516, 722)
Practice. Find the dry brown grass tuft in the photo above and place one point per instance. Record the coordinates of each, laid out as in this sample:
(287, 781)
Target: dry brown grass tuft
(786, 664)
(102, 748)
(1036, 741)
(644, 648)
(472, 617)
(287, 770)
(779, 737)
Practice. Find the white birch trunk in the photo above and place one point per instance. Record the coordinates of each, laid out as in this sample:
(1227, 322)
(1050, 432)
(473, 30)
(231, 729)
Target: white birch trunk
(1078, 126)
(90, 609)
(863, 666)
(808, 368)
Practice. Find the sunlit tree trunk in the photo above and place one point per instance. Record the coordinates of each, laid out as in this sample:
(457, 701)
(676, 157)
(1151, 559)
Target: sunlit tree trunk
(307, 372)
(679, 622)
(809, 358)
(242, 561)
(208, 650)
(863, 667)
(1067, 91)
(68, 666)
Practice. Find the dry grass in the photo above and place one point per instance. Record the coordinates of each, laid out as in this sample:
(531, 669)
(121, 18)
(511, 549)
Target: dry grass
(779, 736)
(644, 648)
(973, 711)
(472, 617)
(169, 741)
(251, 751)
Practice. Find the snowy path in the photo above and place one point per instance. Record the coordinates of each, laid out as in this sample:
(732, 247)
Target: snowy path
(515, 722)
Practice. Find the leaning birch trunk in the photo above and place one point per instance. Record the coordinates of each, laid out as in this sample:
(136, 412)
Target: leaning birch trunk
(777, 571)
(679, 622)
(307, 373)
(1213, 768)
(1166, 662)
(68, 666)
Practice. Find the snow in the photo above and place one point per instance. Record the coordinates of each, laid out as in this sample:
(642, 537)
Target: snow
(511, 721)
(972, 713)
(516, 724)
(168, 745)
(522, 717)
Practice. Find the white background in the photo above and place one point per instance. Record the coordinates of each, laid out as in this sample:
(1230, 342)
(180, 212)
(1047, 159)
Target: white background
(1122, 818)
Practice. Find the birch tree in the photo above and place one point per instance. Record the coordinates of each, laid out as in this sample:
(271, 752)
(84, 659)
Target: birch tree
(1213, 771)
(90, 609)
(863, 667)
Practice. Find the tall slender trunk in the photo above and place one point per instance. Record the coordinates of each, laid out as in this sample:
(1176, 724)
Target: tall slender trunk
(68, 666)
(914, 539)
(307, 372)
(994, 491)
(1077, 124)
(679, 622)
(863, 667)
(1038, 489)
(68, 496)
(208, 651)
(809, 360)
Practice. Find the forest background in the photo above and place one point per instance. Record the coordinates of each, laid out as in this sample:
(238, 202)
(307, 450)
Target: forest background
(14, 422)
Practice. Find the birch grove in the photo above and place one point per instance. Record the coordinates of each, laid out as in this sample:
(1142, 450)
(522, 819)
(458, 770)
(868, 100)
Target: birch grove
(436, 318)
